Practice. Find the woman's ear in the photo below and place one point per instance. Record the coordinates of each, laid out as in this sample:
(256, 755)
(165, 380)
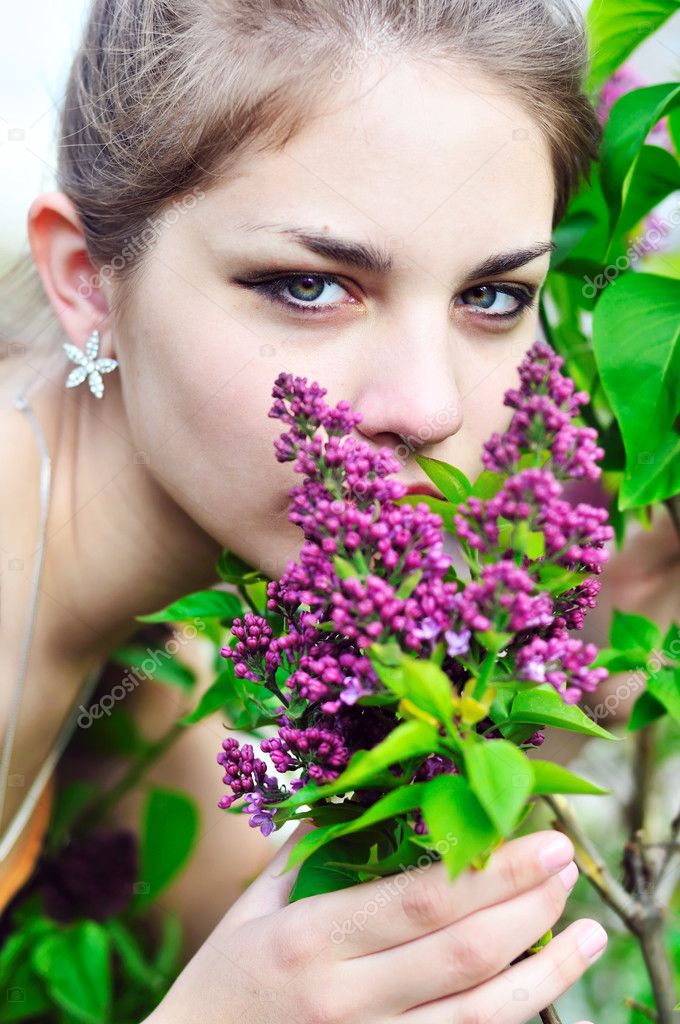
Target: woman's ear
(69, 277)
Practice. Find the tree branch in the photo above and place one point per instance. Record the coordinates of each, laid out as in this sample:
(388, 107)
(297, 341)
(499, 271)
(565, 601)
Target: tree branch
(644, 919)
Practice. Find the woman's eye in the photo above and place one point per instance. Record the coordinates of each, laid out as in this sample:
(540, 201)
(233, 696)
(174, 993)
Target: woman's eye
(495, 301)
(309, 292)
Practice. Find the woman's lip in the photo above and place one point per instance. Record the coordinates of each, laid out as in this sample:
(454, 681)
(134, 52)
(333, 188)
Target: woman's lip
(432, 492)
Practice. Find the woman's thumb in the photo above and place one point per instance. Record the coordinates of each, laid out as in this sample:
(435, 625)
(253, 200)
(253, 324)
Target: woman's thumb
(270, 890)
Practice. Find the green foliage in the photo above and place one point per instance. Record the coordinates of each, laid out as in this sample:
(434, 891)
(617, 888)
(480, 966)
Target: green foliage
(501, 777)
(169, 832)
(452, 482)
(74, 965)
(544, 706)
(220, 604)
(636, 338)
(617, 27)
(458, 823)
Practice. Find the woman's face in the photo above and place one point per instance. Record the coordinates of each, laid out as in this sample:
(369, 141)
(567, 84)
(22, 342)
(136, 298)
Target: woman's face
(436, 169)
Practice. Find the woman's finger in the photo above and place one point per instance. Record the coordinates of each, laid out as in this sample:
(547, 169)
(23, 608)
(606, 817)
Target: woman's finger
(270, 890)
(386, 912)
(464, 954)
(523, 990)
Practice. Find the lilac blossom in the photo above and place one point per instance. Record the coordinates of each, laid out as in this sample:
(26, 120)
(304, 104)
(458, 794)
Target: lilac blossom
(562, 661)
(545, 405)
(372, 571)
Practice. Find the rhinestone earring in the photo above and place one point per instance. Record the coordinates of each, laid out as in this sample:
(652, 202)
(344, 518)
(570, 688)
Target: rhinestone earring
(88, 365)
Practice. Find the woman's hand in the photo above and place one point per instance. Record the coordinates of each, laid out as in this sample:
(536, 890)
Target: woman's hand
(413, 947)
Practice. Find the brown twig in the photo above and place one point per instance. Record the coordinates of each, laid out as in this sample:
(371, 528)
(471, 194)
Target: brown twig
(643, 916)
(550, 1015)
(642, 773)
(646, 1011)
(671, 848)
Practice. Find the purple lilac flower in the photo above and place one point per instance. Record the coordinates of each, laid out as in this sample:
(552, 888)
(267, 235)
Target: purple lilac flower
(503, 598)
(243, 772)
(345, 506)
(255, 635)
(575, 535)
(563, 662)
(545, 405)
(317, 750)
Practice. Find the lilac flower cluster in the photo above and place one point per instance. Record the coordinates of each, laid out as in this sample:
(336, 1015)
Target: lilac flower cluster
(562, 661)
(545, 405)
(372, 571)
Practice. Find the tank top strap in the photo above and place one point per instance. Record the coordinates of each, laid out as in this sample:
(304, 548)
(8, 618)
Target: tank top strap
(23, 813)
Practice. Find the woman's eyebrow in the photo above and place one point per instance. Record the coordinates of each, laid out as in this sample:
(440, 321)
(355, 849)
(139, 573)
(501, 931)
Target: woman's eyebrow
(372, 258)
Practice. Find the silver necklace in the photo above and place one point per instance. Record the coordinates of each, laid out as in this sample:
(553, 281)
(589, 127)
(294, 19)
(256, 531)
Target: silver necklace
(21, 817)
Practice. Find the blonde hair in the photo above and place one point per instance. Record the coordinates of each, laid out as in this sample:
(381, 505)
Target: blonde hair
(165, 96)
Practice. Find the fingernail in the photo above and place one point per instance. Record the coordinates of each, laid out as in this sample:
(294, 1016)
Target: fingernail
(593, 941)
(569, 876)
(556, 853)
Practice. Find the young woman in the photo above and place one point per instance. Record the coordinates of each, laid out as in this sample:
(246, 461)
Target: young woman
(359, 191)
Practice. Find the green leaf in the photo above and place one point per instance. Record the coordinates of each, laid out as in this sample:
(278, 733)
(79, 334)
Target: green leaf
(636, 338)
(409, 584)
(233, 569)
(671, 642)
(159, 665)
(399, 801)
(169, 831)
(553, 778)
(664, 686)
(214, 698)
(633, 632)
(630, 633)
(166, 958)
(457, 822)
(646, 709)
(125, 943)
(74, 965)
(556, 579)
(487, 484)
(410, 739)
(544, 706)
(406, 855)
(621, 661)
(345, 569)
(630, 120)
(656, 174)
(571, 230)
(211, 603)
(428, 687)
(617, 27)
(501, 777)
(317, 875)
(452, 482)
(35, 998)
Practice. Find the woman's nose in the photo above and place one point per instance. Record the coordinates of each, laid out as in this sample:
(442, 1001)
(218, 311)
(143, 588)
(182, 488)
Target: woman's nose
(409, 396)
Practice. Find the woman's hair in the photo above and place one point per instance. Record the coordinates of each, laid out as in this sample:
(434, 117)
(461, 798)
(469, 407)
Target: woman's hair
(164, 97)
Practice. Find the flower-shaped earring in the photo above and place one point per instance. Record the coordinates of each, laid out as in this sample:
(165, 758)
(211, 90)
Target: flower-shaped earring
(88, 365)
